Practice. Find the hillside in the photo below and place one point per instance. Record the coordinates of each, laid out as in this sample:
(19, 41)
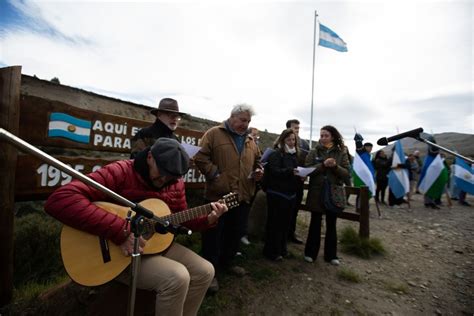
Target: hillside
(462, 143)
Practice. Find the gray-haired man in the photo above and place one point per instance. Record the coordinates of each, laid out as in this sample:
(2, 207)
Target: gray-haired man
(230, 161)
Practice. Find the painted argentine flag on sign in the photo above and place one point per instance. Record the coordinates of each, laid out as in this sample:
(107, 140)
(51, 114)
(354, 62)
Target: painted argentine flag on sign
(70, 127)
(329, 39)
(434, 177)
(464, 176)
(398, 178)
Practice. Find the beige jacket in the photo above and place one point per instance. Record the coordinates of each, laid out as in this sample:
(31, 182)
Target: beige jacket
(225, 170)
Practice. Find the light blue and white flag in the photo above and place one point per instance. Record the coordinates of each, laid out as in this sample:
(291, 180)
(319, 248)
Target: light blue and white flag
(329, 39)
(70, 127)
(464, 176)
(398, 180)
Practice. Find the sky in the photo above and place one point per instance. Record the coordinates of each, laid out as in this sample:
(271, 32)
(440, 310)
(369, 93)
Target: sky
(409, 62)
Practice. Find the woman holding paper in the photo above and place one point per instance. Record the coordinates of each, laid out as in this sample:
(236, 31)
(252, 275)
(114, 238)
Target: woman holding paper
(280, 179)
(329, 158)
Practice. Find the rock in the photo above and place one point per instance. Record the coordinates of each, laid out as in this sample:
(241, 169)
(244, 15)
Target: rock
(459, 275)
(438, 312)
(458, 251)
(411, 283)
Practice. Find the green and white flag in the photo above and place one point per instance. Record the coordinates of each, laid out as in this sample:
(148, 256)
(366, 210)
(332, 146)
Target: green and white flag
(434, 177)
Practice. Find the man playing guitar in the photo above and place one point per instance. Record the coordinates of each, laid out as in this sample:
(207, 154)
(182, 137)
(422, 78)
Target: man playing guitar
(179, 277)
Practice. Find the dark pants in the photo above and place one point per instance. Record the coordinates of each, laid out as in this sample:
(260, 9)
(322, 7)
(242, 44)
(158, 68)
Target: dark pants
(392, 200)
(278, 216)
(380, 191)
(314, 236)
(221, 242)
(295, 209)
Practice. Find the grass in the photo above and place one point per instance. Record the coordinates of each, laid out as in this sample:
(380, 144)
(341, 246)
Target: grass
(348, 275)
(30, 291)
(366, 248)
(396, 287)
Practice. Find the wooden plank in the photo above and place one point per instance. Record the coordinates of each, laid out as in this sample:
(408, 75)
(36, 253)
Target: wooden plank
(105, 132)
(10, 82)
(37, 179)
(364, 229)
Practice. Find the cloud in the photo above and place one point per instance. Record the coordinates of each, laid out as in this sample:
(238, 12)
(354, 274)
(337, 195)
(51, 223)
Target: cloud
(210, 56)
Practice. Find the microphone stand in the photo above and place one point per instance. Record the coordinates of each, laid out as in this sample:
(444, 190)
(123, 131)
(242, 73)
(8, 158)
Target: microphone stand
(136, 221)
(421, 139)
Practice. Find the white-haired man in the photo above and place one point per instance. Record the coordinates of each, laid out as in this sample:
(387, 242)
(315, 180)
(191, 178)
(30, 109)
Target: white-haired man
(230, 161)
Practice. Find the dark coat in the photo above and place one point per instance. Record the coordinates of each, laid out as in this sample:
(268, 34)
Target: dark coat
(382, 167)
(336, 175)
(147, 136)
(279, 175)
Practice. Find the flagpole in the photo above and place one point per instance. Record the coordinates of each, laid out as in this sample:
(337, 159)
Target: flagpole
(312, 81)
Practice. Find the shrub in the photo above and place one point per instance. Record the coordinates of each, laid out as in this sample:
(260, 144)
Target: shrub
(36, 253)
(348, 275)
(362, 247)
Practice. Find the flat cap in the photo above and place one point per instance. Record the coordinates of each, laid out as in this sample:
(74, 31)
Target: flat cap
(170, 157)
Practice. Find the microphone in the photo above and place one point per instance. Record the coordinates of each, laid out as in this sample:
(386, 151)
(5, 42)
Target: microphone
(415, 133)
(171, 228)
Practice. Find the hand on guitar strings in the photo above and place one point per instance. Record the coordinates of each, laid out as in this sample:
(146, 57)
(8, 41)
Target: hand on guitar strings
(217, 210)
(127, 245)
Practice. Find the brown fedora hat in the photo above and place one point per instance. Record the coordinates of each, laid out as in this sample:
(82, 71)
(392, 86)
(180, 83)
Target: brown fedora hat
(167, 105)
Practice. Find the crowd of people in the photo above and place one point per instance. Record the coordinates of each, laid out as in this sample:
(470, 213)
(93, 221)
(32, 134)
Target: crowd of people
(231, 161)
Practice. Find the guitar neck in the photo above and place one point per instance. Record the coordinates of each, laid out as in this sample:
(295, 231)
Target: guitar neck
(187, 215)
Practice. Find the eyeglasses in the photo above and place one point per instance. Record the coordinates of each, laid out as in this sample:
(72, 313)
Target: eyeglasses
(174, 116)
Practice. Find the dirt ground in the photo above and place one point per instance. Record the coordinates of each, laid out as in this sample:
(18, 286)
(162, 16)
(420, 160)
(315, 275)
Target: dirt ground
(428, 270)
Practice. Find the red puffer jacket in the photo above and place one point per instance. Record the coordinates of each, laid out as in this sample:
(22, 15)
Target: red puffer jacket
(72, 203)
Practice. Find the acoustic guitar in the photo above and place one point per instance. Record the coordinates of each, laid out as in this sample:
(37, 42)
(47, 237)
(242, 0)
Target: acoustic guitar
(91, 260)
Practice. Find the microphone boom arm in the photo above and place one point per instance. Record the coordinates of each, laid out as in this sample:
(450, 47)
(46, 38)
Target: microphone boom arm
(26, 147)
(419, 138)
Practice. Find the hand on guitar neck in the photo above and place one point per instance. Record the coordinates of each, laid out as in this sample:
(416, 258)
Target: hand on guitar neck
(217, 210)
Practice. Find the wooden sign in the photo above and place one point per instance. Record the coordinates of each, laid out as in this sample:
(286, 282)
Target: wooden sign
(36, 179)
(56, 124)
(47, 123)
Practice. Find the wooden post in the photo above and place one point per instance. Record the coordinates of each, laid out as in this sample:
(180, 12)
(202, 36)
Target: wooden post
(10, 82)
(364, 230)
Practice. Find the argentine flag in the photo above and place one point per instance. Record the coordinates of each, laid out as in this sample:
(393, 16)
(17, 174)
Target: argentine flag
(464, 176)
(434, 177)
(398, 180)
(363, 172)
(329, 39)
(70, 127)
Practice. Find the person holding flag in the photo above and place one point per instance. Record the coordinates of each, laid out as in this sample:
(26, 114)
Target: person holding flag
(363, 173)
(398, 181)
(464, 179)
(434, 177)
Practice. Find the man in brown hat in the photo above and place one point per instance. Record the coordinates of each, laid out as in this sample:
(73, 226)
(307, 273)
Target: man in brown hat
(167, 118)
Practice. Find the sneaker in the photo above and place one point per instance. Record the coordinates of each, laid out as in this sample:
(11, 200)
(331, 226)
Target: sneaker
(238, 254)
(245, 240)
(213, 287)
(279, 258)
(335, 262)
(308, 259)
